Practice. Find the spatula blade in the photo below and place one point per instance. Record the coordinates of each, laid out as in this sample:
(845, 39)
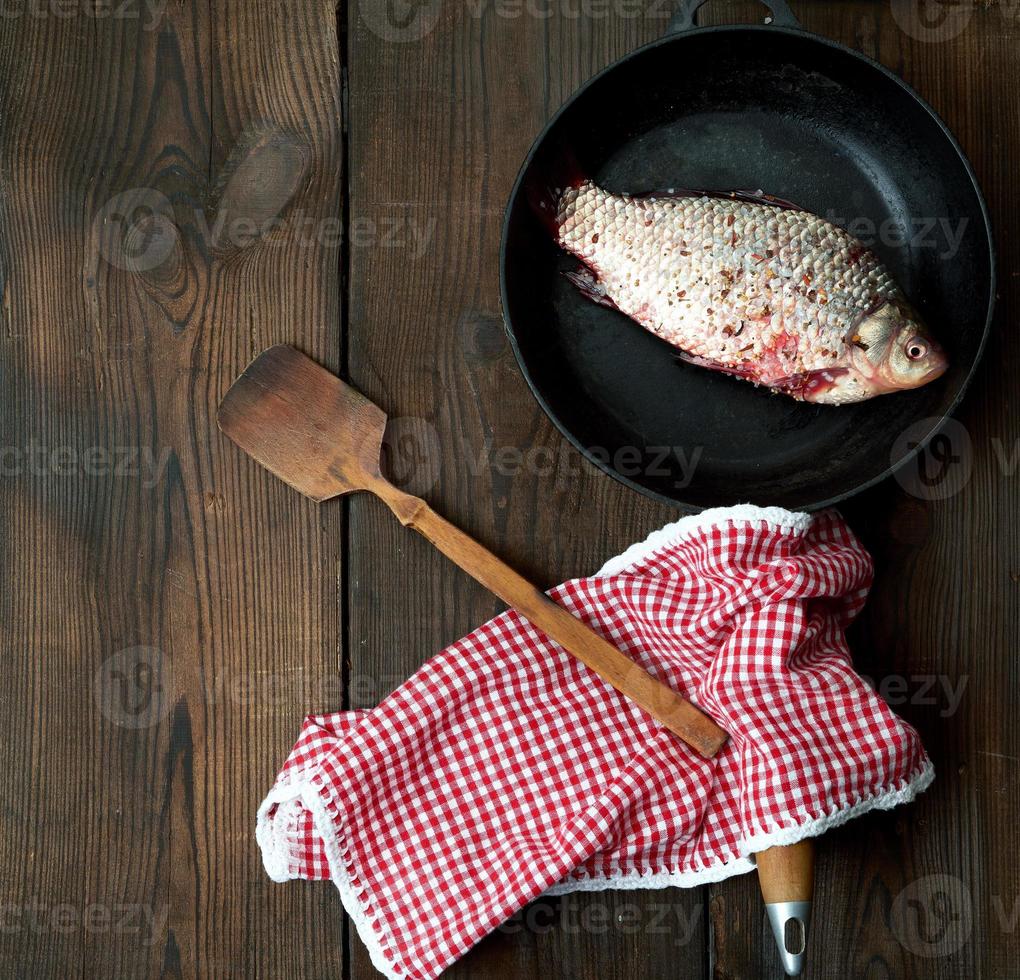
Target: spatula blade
(304, 424)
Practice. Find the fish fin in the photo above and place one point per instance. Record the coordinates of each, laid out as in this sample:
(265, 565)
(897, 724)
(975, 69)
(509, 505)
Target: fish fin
(753, 197)
(760, 197)
(549, 178)
(875, 303)
(735, 370)
(589, 286)
(805, 386)
(808, 384)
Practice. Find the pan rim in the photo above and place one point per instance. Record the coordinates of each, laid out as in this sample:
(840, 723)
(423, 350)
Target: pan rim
(866, 62)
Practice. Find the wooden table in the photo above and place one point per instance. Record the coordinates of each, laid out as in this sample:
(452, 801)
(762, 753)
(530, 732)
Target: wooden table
(181, 187)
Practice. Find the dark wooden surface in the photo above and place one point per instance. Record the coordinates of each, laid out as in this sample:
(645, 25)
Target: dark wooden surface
(167, 623)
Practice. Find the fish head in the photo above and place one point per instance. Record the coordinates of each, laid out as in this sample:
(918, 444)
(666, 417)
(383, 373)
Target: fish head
(891, 350)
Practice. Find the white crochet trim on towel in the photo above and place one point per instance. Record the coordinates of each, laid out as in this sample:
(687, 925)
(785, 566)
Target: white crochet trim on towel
(633, 880)
(376, 940)
(775, 517)
(275, 859)
(884, 799)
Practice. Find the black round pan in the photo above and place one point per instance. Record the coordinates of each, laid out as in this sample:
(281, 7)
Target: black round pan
(804, 119)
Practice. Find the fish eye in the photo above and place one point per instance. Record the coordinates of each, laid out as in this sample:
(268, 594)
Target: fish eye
(916, 348)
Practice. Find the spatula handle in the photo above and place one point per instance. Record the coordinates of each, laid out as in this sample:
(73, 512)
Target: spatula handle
(632, 681)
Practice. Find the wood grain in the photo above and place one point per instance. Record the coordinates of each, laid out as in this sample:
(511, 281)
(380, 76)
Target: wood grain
(438, 129)
(130, 777)
(324, 438)
(172, 200)
(787, 874)
(471, 94)
(932, 891)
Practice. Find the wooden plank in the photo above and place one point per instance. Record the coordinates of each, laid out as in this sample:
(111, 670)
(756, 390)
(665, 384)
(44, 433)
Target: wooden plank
(167, 617)
(128, 793)
(931, 891)
(439, 124)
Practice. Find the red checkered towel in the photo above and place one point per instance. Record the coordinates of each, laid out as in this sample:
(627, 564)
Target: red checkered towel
(504, 768)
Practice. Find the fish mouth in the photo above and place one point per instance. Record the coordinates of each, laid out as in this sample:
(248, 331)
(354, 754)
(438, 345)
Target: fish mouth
(940, 364)
(886, 383)
(934, 374)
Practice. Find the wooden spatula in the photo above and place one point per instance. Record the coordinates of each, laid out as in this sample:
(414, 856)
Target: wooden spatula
(325, 439)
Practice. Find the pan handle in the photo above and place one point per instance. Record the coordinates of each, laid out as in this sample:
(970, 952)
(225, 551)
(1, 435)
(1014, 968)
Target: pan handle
(683, 19)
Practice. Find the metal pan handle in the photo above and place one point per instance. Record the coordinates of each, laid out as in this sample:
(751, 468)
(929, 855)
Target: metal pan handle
(683, 19)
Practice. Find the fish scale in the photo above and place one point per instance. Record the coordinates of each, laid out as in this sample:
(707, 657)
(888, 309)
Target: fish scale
(757, 289)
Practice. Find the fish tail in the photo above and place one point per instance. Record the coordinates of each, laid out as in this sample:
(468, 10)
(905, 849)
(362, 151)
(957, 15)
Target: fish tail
(557, 172)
